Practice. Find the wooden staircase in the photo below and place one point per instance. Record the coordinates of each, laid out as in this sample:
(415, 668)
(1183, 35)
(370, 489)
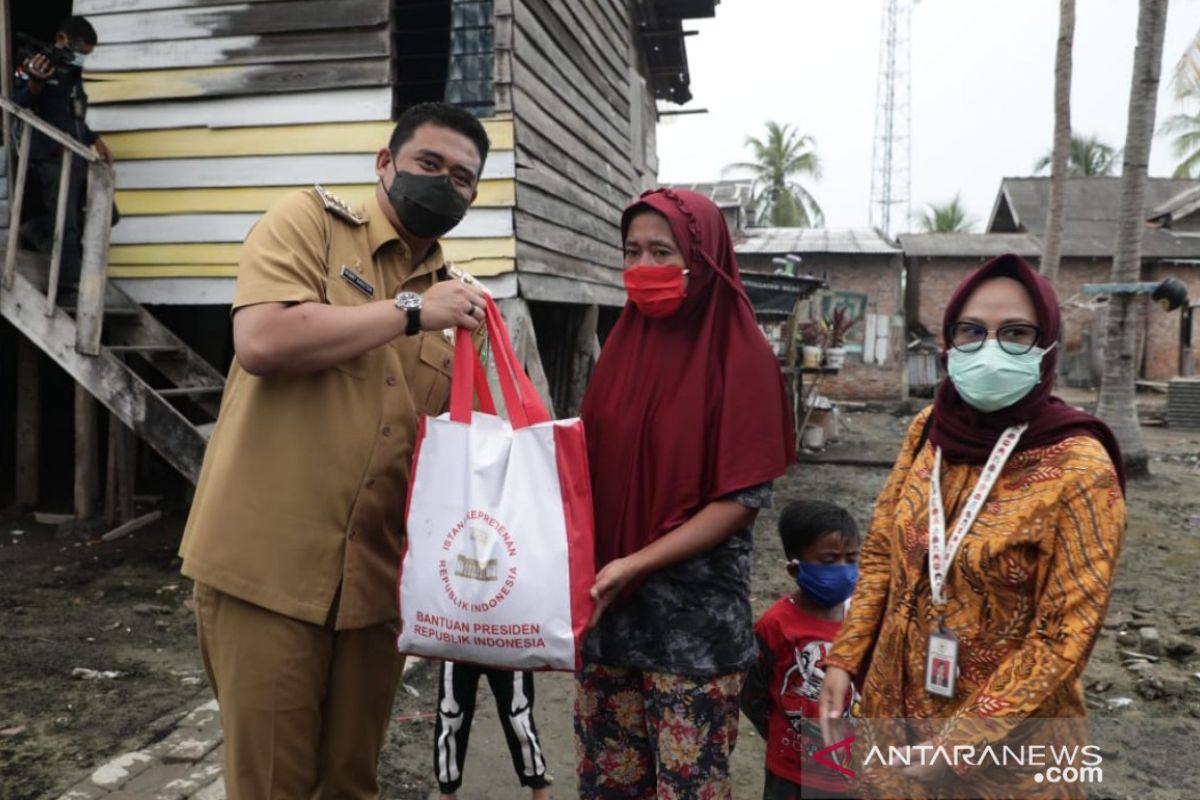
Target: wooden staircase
(116, 351)
(144, 374)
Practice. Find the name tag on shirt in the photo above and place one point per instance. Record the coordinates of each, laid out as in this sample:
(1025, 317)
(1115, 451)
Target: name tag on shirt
(357, 281)
(941, 664)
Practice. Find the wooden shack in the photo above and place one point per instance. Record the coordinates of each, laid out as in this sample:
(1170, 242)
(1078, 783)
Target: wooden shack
(214, 109)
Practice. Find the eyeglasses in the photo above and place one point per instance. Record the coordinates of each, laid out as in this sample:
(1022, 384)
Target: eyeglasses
(1016, 339)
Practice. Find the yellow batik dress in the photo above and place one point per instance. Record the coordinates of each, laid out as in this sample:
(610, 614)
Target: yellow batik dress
(1025, 598)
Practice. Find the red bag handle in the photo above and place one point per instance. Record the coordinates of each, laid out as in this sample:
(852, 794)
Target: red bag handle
(525, 408)
(468, 378)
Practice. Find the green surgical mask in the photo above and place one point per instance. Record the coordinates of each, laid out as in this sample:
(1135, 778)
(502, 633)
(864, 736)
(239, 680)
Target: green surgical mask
(990, 379)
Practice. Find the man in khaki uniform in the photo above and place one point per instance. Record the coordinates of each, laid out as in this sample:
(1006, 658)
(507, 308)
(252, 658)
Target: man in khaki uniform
(295, 533)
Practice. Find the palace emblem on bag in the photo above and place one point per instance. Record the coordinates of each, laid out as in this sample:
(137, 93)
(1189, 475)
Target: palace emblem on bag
(482, 549)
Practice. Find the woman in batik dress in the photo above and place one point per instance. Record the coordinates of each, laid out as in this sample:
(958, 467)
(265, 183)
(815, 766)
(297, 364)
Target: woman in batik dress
(1027, 590)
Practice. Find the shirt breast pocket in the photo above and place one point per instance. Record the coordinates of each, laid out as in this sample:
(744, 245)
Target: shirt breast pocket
(340, 292)
(431, 384)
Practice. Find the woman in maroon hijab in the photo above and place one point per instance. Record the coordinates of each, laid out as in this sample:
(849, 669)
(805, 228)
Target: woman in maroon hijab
(687, 426)
(989, 560)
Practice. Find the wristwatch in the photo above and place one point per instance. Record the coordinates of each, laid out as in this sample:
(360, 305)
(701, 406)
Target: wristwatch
(410, 303)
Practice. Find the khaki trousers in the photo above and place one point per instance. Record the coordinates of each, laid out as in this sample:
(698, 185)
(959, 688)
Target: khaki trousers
(304, 708)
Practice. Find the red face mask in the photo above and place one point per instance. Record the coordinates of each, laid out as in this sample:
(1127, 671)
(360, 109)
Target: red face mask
(657, 291)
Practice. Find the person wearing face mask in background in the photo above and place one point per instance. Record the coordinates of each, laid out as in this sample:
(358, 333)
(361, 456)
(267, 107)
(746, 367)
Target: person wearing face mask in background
(56, 94)
(688, 425)
(987, 570)
(820, 541)
(295, 532)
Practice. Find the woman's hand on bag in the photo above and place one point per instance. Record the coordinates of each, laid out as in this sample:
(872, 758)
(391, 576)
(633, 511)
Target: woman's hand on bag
(832, 705)
(610, 582)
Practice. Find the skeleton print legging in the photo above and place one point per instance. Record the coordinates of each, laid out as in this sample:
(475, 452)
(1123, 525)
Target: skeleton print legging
(456, 708)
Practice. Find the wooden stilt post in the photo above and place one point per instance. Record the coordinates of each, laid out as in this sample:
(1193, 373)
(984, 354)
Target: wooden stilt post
(86, 454)
(583, 357)
(28, 421)
(118, 484)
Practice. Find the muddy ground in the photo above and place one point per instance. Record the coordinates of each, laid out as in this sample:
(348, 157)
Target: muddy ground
(66, 603)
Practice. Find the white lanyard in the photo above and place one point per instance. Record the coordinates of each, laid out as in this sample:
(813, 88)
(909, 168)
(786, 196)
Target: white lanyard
(941, 550)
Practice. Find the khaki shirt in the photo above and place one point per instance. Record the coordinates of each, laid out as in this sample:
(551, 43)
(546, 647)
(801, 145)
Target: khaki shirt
(304, 484)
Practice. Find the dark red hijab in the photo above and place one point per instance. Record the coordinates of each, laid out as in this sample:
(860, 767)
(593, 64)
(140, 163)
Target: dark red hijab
(967, 435)
(685, 409)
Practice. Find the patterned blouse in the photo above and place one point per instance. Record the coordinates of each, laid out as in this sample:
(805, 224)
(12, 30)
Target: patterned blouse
(692, 618)
(1026, 596)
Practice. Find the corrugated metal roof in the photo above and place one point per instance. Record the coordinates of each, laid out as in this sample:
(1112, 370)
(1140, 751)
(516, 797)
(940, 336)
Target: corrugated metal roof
(1179, 206)
(812, 240)
(968, 245)
(1088, 199)
(724, 193)
(1093, 212)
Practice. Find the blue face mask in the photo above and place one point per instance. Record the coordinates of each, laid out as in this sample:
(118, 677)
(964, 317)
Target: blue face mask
(826, 584)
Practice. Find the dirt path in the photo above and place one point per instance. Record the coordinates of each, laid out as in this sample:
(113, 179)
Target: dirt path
(66, 604)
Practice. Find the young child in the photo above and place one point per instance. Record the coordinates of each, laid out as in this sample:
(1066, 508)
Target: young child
(780, 694)
(513, 692)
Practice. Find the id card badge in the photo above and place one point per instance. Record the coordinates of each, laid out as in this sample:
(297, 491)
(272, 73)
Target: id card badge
(941, 665)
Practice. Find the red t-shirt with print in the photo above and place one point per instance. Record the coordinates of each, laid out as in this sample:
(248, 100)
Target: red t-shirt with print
(797, 644)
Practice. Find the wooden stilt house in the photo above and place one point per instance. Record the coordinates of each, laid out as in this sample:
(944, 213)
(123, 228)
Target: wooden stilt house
(214, 108)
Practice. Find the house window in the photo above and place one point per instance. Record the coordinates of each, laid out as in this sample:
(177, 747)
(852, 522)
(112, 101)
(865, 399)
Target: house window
(443, 51)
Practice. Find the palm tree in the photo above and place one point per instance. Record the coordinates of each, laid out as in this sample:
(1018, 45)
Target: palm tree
(1117, 401)
(1056, 210)
(785, 155)
(1186, 130)
(1186, 77)
(947, 218)
(1186, 127)
(1088, 157)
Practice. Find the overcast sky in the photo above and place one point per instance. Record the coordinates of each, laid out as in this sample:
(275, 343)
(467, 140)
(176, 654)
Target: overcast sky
(982, 90)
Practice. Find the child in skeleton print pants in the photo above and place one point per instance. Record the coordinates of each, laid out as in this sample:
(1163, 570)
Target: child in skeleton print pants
(513, 691)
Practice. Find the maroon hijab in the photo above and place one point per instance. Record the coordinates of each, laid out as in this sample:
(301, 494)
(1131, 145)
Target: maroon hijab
(967, 435)
(685, 409)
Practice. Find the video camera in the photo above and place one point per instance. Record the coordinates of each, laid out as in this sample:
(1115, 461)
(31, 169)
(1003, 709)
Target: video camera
(60, 58)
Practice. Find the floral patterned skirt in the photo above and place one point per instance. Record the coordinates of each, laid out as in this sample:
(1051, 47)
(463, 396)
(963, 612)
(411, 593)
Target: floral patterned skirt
(654, 735)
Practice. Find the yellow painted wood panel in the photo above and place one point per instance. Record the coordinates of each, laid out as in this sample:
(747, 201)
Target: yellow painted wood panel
(458, 250)
(480, 267)
(500, 193)
(331, 137)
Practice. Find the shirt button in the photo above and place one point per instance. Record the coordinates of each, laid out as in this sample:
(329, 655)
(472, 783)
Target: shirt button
(391, 380)
(352, 534)
(370, 482)
(387, 431)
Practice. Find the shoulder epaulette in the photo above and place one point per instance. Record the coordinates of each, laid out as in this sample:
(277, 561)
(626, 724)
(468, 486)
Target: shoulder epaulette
(339, 207)
(459, 274)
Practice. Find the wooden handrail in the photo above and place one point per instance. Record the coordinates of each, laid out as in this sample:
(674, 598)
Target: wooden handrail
(95, 235)
(43, 127)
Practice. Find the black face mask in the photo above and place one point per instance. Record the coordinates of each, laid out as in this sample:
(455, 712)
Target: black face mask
(427, 205)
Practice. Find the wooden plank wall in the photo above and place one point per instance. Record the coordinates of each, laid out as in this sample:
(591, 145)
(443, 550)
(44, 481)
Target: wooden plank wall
(572, 102)
(216, 107)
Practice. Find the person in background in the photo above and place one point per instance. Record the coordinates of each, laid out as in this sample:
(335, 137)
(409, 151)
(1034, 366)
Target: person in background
(688, 424)
(55, 93)
(993, 548)
(513, 691)
(820, 541)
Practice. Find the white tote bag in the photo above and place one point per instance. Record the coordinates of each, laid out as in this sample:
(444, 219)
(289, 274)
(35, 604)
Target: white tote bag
(498, 561)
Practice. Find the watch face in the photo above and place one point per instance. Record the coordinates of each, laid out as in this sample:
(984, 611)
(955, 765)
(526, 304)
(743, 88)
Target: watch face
(408, 300)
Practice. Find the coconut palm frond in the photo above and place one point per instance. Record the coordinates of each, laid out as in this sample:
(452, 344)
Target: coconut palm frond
(1185, 77)
(948, 217)
(784, 153)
